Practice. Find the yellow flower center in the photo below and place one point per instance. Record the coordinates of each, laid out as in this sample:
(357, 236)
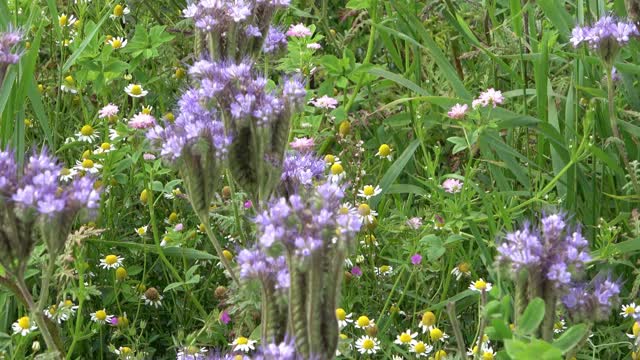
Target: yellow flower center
(118, 10)
(343, 210)
(440, 355)
(480, 285)
(487, 356)
(173, 217)
(329, 159)
(435, 334)
(368, 190)
(101, 315)
(146, 110)
(180, 73)
(636, 329)
(630, 310)
(62, 20)
(363, 321)
(227, 254)
(385, 269)
(136, 90)
(464, 267)
(105, 146)
(368, 344)
(428, 318)
(86, 130)
(420, 347)
(384, 150)
(69, 80)
(116, 43)
(336, 169)
(343, 336)
(121, 273)
(87, 163)
(111, 259)
(125, 350)
(405, 338)
(68, 303)
(24, 322)
(341, 314)
(141, 231)
(53, 309)
(364, 210)
(242, 340)
(169, 116)
(65, 172)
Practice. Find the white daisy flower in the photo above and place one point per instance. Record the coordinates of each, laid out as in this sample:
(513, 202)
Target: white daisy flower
(124, 352)
(344, 319)
(69, 306)
(67, 174)
(630, 310)
(336, 173)
(104, 148)
(420, 349)
(406, 338)
(385, 152)
(463, 269)
(135, 90)
(367, 345)
(118, 42)
(366, 214)
(66, 20)
(152, 297)
(119, 11)
(191, 353)
(23, 326)
(57, 314)
(428, 321)
(384, 270)
(243, 344)
(101, 317)
(111, 262)
(364, 322)
(87, 134)
(480, 285)
(559, 326)
(369, 191)
(142, 231)
(87, 166)
(436, 334)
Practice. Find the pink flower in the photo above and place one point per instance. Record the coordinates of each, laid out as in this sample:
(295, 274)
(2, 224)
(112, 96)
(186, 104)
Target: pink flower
(178, 227)
(302, 144)
(414, 223)
(248, 204)
(299, 30)
(416, 259)
(489, 97)
(148, 157)
(355, 271)
(325, 102)
(314, 46)
(224, 317)
(458, 111)
(452, 186)
(142, 121)
(108, 111)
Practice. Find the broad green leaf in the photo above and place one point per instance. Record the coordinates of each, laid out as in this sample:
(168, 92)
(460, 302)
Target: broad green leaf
(71, 60)
(570, 338)
(532, 317)
(535, 350)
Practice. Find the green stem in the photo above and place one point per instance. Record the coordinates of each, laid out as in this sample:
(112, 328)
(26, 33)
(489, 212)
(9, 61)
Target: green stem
(204, 219)
(39, 318)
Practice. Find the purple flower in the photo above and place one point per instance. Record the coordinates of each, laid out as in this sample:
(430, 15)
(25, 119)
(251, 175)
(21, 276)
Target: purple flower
(299, 30)
(607, 35)
(276, 40)
(416, 259)
(356, 271)
(224, 317)
(325, 102)
(458, 111)
(301, 168)
(452, 186)
(594, 300)
(8, 42)
(142, 121)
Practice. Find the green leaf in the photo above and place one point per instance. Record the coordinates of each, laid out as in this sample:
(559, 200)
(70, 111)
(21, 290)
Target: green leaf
(459, 142)
(532, 317)
(500, 330)
(394, 170)
(71, 60)
(535, 350)
(358, 4)
(400, 80)
(570, 338)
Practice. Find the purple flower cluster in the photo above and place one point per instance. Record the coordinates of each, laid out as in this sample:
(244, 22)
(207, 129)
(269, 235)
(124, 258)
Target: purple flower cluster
(195, 123)
(555, 251)
(607, 34)
(8, 41)
(301, 168)
(275, 41)
(255, 264)
(304, 224)
(592, 300)
(283, 351)
(235, 89)
(40, 189)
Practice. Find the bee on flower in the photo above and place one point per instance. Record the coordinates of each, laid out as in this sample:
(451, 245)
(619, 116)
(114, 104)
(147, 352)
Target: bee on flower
(462, 269)
(117, 42)
(367, 345)
(135, 90)
(111, 262)
(23, 326)
(101, 317)
(480, 286)
(369, 191)
(630, 310)
(385, 152)
(363, 322)
(420, 349)
(243, 344)
(406, 338)
(87, 166)
(152, 297)
(343, 318)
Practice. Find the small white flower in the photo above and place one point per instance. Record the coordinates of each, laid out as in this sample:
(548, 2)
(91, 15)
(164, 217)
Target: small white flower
(87, 134)
(343, 318)
(406, 338)
(463, 269)
(363, 322)
(111, 262)
(480, 285)
(559, 326)
(384, 270)
(142, 231)
(101, 317)
(420, 349)
(630, 310)
(243, 344)
(369, 191)
(67, 174)
(155, 300)
(66, 20)
(118, 42)
(366, 214)
(135, 90)
(87, 166)
(104, 148)
(23, 326)
(367, 345)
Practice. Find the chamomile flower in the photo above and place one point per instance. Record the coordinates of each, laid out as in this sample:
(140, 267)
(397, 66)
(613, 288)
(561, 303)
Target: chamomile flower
(406, 338)
(369, 240)
(68, 306)
(363, 322)
(101, 317)
(331, 159)
(87, 134)
(436, 334)
(396, 357)
(152, 297)
(480, 285)
(23, 326)
(243, 344)
(118, 42)
(559, 326)
(124, 352)
(428, 321)
(87, 166)
(366, 214)
(369, 191)
(119, 11)
(462, 269)
(135, 90)
(191, 353)
(630, 310)
(66, 20)
(67, 174)
(343, 318)
(367, 345)
(69, 84)
(56, 314)
(420, 349)
(384, 270)
(487, 353)
(115, 135)
(385, 152)
(635, 332)
(336, 172)
(173, 194)
(104, 148)
(347, 209)
(111, 262)
(142, 231)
